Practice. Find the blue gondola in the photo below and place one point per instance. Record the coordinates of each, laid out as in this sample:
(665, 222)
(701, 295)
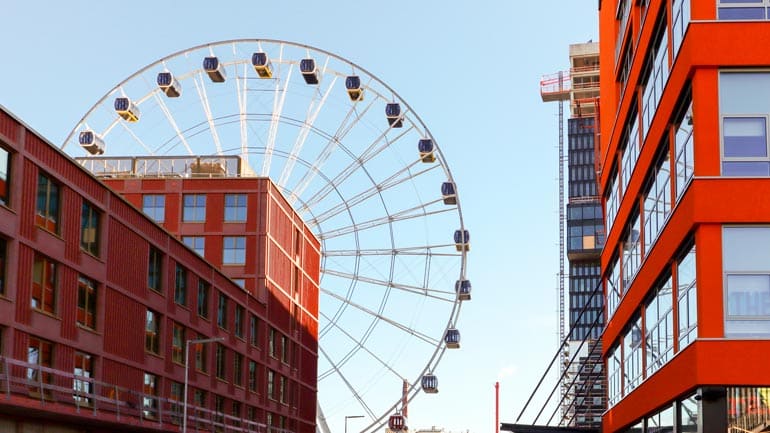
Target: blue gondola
(449, 193)
(425, 146)
(126, 109)
(309, 71)
(463, 289)
(169, 85)
(353, 86)
(91, 142)
(397, 423)
(262, 65)
(452, 338)
(462, 240)
(214, 69)
(430, 383)
(393, 113)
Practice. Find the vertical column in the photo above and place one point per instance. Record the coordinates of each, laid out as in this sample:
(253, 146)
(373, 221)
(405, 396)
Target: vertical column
(712, 409)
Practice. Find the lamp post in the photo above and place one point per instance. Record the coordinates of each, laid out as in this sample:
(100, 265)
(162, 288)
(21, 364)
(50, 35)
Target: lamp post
(187, 370)
(347, 417)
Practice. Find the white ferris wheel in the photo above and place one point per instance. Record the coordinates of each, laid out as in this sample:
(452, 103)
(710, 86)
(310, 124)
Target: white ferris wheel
(360, 167)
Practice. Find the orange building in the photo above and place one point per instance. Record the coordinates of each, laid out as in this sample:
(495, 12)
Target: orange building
(685, 176)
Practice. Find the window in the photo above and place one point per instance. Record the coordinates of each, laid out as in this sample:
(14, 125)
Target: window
(632, 356)
(270, 380)
(236, 414)
(747, 281)
(613, 288)
(683, 135)
(241, 282)
(197, 243)
(284, 349)
(234, 250)
(178, 344)
(219, 409)
(152, 332)
(743, 9)
(220, 361)
(222, 311)
(235, 207)
(199, 400)
(203, 299)
(271, 343)
(82, 384)
(238, 325)
(154, 205)
(154, 270)
(194, 209)
(281, 389)
(5, 176)
(632, 253)
(149, 400)
(656, 66)
(744, 112)
(44, 284)
(86, 302)
(630, 151)
(89, 229)
(681, 20)
(238, 369)
(3, 260)
(47, 208)
(176, 396)
(201, 356)
(687, 289)
(612, 203)
(40, 354)
(253, 330)
(180, 285)
(657, 202)
(659, 327)
(252, 376)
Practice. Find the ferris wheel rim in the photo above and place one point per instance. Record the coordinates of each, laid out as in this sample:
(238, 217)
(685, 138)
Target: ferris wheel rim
(440, 348)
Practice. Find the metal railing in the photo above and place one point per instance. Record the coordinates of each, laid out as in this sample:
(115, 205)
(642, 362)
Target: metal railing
(114, 404)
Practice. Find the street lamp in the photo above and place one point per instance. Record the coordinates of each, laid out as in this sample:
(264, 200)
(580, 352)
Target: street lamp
(347, 417)
(187, 370)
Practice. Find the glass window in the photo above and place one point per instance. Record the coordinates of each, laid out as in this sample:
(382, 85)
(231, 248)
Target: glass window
(197, 243)
(3, 261)
(270, 380)
(89, 229)
(235, 207)
(194, 209)
(154, 205)
(234, 250)
(201, 355)
(614, 378)
(176, 395)
(47, 207)
(44, 284)
(86, 302)
(284, 349)
(180, 285)
(149, 399)
(657, 202)
(238, 369)
(241, 282)
(222, 311)
(152, 332)
(271, 342)
(744, 146)
(253, 330)
(39, 353)
(178, 344)
(687, 290)
(203, 298)
(154, 268)
(252, 376)
(683, 134)
(632, 253)
(743, 9)
(747, 281)
(681, 20)
(238, 325)
(82, 384)
(659, 327)
(220, 357)
(632, 356)
(5, 176)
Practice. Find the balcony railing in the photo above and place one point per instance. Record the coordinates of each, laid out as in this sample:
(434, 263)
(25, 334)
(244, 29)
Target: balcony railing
(65, 393)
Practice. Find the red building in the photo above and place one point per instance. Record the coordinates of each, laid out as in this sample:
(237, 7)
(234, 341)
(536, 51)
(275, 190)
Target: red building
(685, 176)
(98, 302)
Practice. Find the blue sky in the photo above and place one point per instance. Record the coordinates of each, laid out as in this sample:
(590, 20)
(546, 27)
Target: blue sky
(469, 69)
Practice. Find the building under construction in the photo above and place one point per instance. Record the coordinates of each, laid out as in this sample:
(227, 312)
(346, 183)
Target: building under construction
(582, 239)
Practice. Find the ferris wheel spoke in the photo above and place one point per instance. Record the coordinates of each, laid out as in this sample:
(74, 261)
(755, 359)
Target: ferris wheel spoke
(242, 89)
(279, 98)
(408, 214)
(348, 384)
(200, 87)
(417, 290)
(403, 175)
(164, 108)
(407, 251)
(413, 332)
(312, 113)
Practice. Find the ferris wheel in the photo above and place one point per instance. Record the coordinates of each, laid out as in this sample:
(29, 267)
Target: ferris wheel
(360, 168)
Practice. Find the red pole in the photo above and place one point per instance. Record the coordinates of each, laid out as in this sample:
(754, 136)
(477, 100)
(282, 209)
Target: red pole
(497, 407)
